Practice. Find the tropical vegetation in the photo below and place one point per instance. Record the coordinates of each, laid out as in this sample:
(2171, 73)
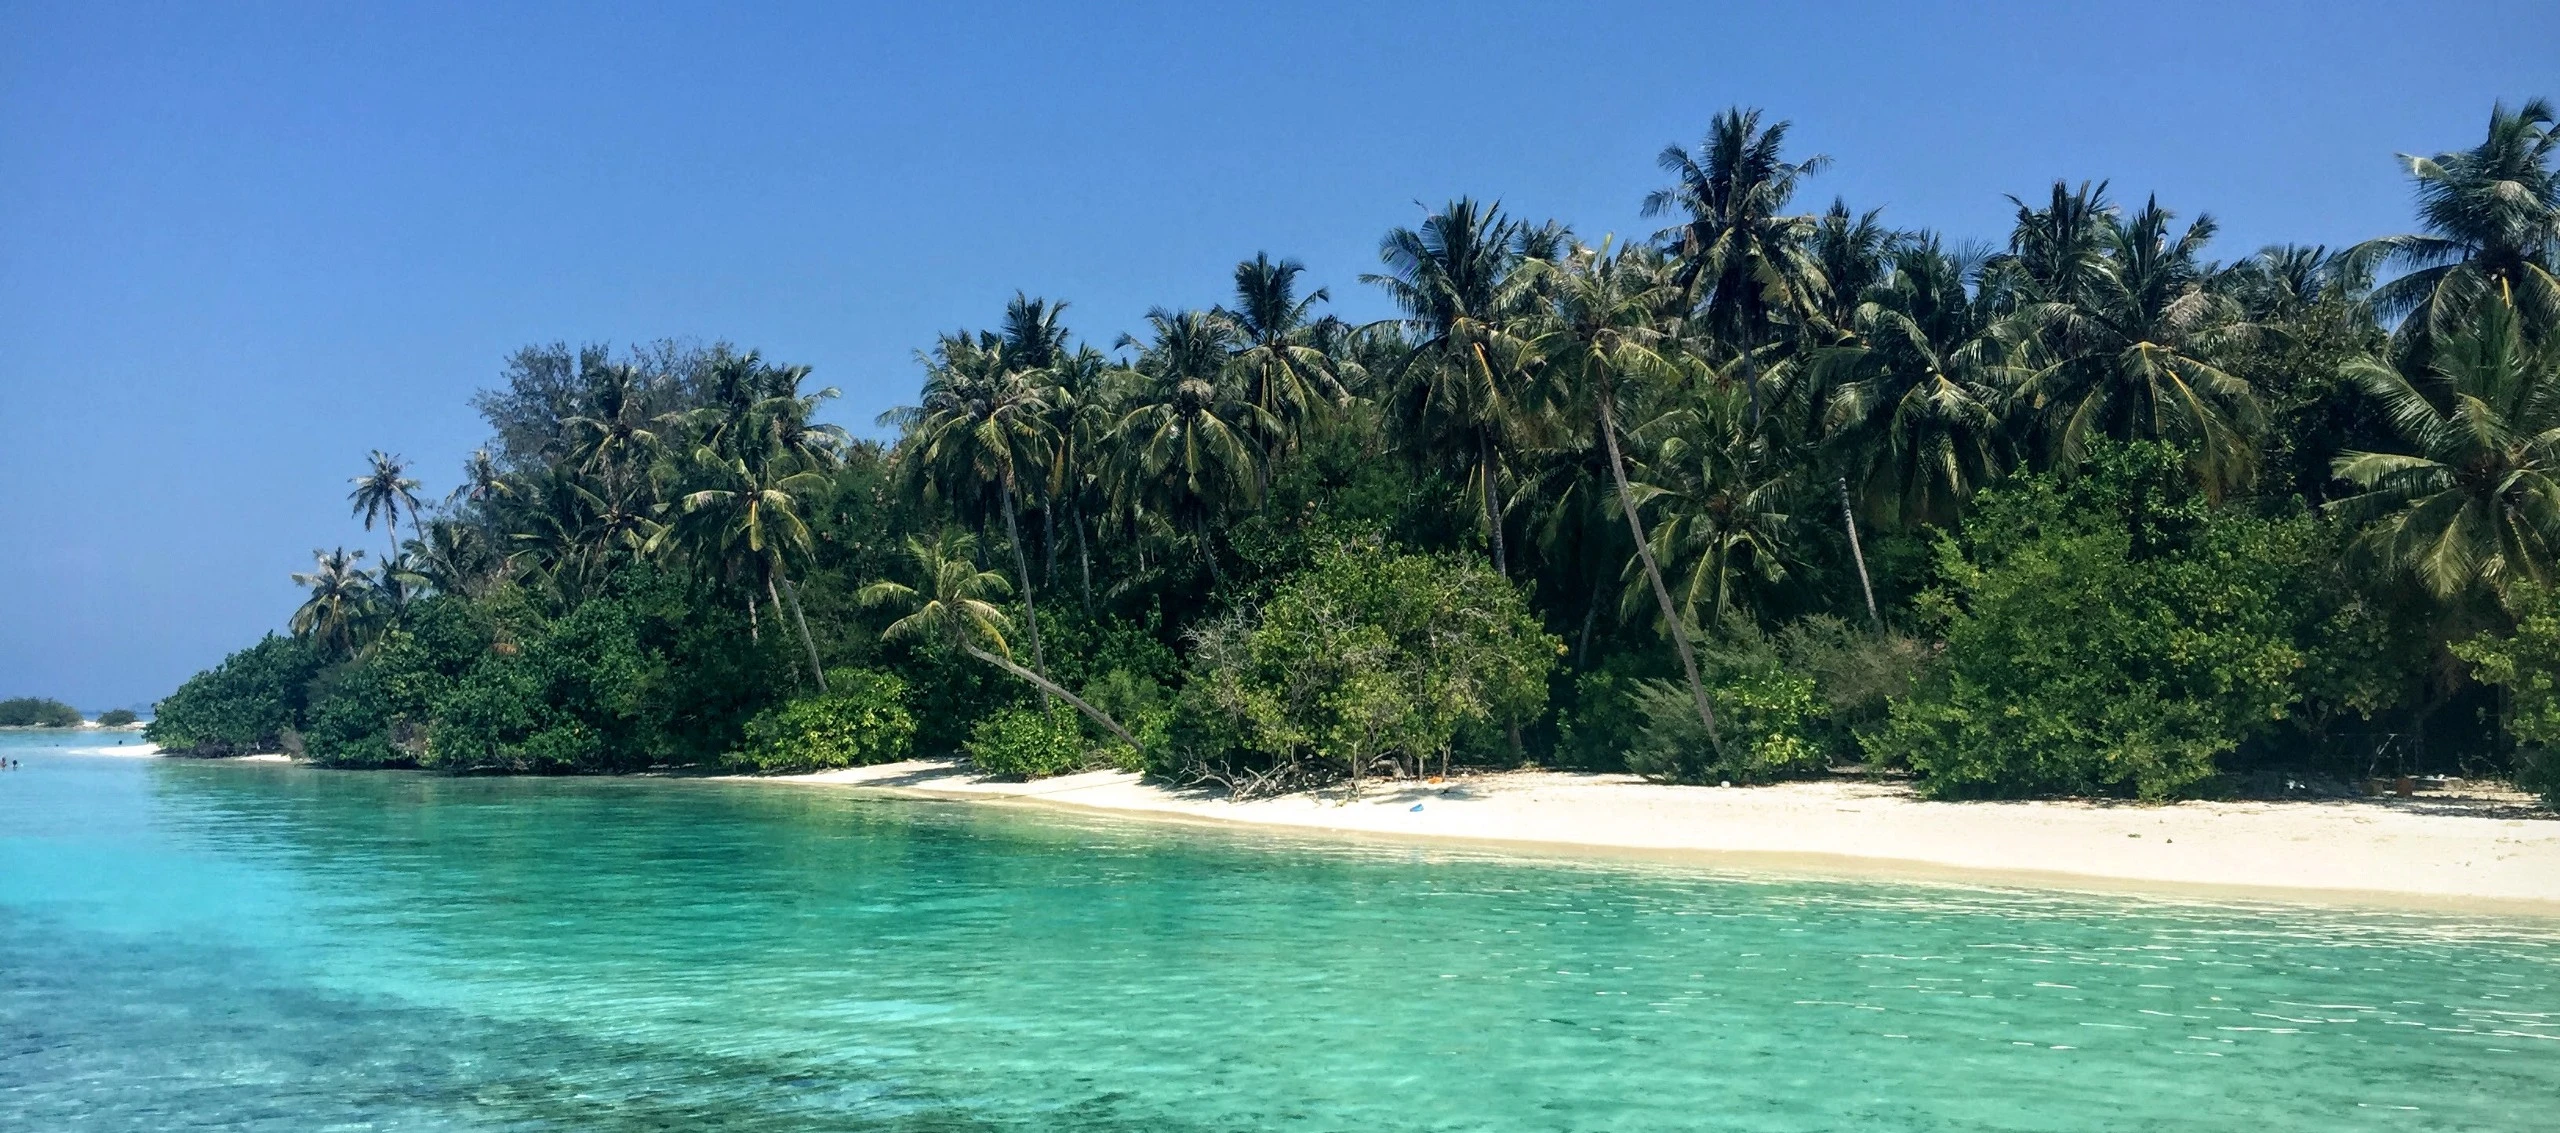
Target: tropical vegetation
(2094, 508)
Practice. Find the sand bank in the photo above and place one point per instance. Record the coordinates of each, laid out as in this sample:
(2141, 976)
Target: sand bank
(2404, 852)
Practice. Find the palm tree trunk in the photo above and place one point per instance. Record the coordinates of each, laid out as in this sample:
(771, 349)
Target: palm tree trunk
(1849, 520)
(1049, 545)
(1030, 613)
(1492, 500)
(1590, 618)
(1048, 688)
(1084, 558)
(753, 633)
(1653, 570)
(811, 643)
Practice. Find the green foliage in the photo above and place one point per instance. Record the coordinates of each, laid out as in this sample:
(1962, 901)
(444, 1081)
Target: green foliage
(2526, 663)
(1026, 743)
(1371, 656)
(116, 718)
(38, 712)
(374, 711)
(2108, 633)
(862, 720)
(248, 703)
(1766, 714)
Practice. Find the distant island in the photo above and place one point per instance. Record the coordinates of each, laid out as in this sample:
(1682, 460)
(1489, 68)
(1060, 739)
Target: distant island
(1774, 493)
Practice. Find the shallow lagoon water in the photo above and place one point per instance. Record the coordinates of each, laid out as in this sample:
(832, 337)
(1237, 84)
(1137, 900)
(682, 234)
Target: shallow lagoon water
(267, 947)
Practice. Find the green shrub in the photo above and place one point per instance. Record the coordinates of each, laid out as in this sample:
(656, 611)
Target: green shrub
(1025, 743)
(1140, 703)
(1763, 715)
(2526, 663)
(38, 712)
(862, 720)
(2106, 634)
(1368, 658)
(245, 704)
(116, 718)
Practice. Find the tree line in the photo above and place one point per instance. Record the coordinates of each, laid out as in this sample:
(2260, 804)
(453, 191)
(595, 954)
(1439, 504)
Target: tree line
(1770, 492)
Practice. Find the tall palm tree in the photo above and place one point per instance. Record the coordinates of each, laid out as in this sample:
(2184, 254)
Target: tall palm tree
(1468, 288)
(1723, 496)
(1190, 431)
(954, 604)
(454, 557)
(1915, 389)
(984, 424)
(615, 433)
(746, 515)
(385, 491)
(2473, 497)
(2126, 349)
(341, 604)
(1603, 337)
(2492, 217)
(481, 481)
(1746, 265)
(1286, 374)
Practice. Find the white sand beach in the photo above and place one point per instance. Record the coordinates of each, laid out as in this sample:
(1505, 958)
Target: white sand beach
(2400, 851)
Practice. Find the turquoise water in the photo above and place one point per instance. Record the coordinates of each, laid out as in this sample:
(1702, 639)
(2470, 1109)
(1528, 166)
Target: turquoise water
(263, 947)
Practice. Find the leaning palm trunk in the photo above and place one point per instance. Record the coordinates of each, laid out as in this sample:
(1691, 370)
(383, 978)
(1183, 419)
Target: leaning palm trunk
(811, 643)
(1653, 570)
(1492, 500)
(1048, 688)
(1022, 570)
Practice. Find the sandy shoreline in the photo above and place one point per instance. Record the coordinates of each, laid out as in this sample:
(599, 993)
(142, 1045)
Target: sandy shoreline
(2356, 851)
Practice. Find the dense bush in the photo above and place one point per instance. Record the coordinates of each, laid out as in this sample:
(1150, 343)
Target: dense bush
(2526, 663)
(37, 712)
(248, 703)
(1370, 657)
(862, 720)
(116, 718)
(1765, 715)
(1026, 743)
(2109, 633)
(374, 710)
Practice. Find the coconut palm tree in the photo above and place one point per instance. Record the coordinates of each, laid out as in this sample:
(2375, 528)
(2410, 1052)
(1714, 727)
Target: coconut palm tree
(2125, 348)
(1722, 494)
(1285, 374)
(342, 602)
(1602, 338)
(1746, 266)
(481, 481)
(984, 425)
(385, 491)
(1468, 288)
(953, 604)
(745, 515)
(455, 557)
(616, 432)
(1915, 389)
(1190, 431)
(2473, 496)
(2492, 217)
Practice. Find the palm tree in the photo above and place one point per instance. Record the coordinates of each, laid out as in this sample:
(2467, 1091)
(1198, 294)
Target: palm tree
(1286, 375)
(481, 481)
(385, 491)
(745, 514)
(454, 557)
(2125, 346)
(1603, 336)
(954, 605)
(1191, 432)
(2474, 497)
(1723, 494)
(1746, 266)
(984, 424)
(2492, 217)
(1915, 389)
(341, 604)
(1468, 288)
(614, 434)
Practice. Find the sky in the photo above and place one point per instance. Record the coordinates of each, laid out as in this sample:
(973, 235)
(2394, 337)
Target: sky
(241, 245)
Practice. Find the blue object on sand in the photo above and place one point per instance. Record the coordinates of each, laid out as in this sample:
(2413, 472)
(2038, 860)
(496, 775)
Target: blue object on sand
(1417, 806)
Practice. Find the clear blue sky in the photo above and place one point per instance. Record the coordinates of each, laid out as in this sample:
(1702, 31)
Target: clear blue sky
(242, 244)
